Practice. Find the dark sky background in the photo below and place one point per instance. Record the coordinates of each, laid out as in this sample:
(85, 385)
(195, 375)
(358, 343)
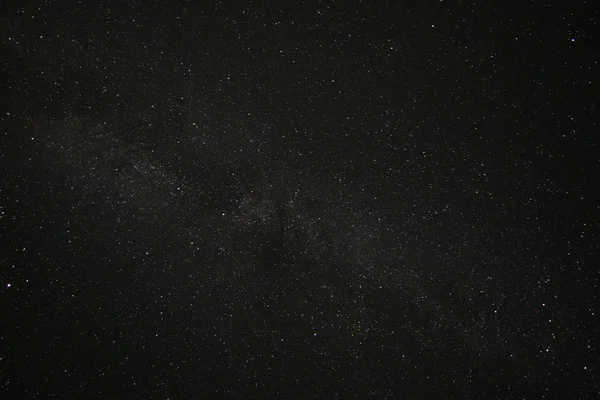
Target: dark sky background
(299, 200)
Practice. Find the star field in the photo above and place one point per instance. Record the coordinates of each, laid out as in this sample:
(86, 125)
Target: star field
(300, 200)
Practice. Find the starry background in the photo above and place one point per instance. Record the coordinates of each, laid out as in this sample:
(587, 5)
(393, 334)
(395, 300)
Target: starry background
(301, 200)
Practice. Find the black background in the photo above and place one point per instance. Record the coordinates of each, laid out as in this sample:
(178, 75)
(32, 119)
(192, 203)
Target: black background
(299, 200)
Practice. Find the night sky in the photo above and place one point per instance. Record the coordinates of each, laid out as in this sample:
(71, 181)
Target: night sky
(299, 200)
